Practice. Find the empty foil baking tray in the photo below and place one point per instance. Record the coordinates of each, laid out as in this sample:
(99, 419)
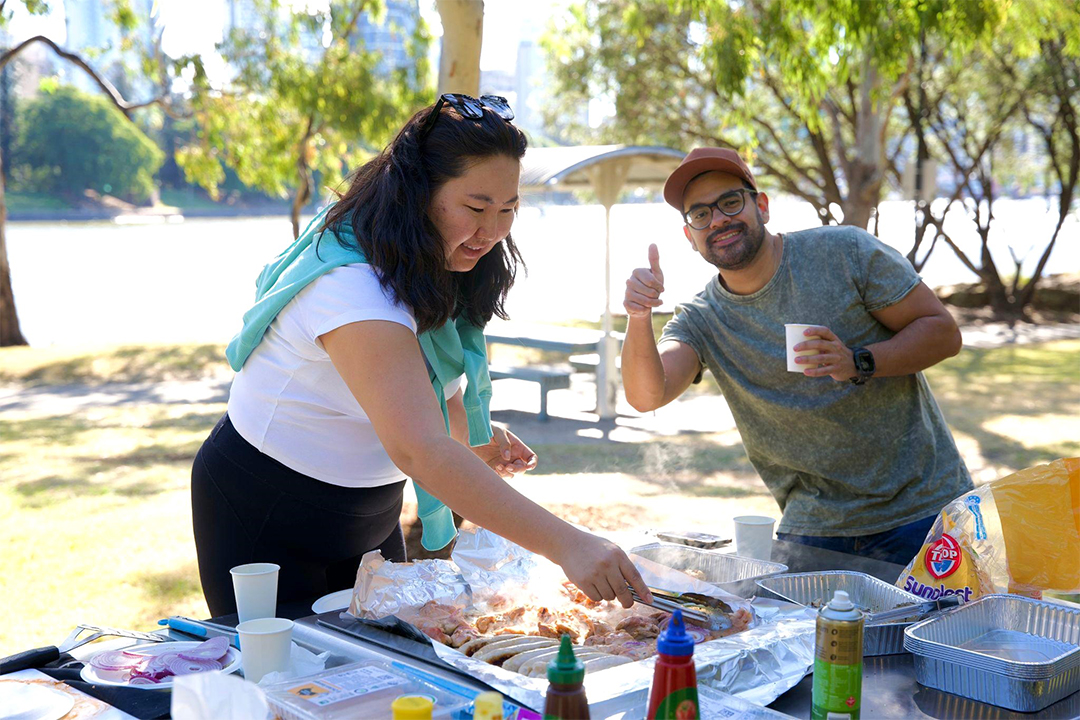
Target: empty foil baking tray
(732, 573)
(866, 591)
(1006, 650)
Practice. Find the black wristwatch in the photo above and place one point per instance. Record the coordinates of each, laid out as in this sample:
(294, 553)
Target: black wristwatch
(864, 365)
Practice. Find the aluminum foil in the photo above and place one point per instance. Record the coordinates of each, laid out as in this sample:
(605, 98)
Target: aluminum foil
(1006, 650)
(756, 665)
(866, 591)
(383, 588)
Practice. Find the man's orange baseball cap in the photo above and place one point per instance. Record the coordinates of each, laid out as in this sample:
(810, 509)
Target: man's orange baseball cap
(703, 160)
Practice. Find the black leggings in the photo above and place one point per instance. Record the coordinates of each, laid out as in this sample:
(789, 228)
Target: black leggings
(247, 507)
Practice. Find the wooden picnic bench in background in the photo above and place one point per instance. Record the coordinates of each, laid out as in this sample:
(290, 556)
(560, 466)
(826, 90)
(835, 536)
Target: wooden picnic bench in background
(578, 344)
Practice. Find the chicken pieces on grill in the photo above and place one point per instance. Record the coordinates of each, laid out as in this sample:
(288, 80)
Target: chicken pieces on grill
(524, 637)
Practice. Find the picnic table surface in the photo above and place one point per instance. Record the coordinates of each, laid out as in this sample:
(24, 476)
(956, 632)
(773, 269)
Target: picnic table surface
(570, 340)
(889, 686)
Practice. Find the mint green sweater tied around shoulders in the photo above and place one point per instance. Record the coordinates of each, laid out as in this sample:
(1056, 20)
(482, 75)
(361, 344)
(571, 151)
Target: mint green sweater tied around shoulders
(455, 348)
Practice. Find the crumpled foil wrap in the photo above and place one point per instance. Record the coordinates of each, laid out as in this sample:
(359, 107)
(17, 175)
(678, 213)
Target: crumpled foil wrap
(757, 665)
(383, 588)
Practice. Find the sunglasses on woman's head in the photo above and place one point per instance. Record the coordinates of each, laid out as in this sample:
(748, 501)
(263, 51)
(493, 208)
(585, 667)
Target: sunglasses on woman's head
(468, 107)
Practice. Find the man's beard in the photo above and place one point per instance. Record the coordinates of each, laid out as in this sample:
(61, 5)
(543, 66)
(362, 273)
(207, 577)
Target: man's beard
(742, 252)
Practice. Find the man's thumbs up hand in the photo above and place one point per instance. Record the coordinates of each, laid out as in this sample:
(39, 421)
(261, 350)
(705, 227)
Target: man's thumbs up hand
(644, 286)
(654, 265)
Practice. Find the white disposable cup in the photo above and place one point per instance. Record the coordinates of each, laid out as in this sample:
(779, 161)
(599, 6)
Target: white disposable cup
(754, 536)
(255, 586)
(794, 334)
(265, 646)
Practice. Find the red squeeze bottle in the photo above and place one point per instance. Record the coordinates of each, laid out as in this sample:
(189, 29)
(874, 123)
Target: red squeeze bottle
(674, 693)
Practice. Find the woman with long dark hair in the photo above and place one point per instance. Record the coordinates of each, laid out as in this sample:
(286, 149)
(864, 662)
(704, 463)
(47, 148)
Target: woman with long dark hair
(362, 363)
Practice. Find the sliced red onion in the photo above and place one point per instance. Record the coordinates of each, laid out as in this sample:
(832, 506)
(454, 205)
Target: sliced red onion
(213, 649)
(155, 675)
(114, 660)
(141, 680)
(161, 662)
(699, 634)
(186, 666)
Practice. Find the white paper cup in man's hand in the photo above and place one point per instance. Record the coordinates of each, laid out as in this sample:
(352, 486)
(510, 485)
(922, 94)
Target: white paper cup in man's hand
(795, 336)
(754, 536)
(265, 646)
(255, 586)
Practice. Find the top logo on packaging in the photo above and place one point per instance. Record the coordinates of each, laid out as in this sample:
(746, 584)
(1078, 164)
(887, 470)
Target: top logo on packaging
(943, 557)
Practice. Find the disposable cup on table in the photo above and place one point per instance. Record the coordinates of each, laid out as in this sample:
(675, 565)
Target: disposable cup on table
(754, 536)
(794, 335)
(265, 646)
(255, 585)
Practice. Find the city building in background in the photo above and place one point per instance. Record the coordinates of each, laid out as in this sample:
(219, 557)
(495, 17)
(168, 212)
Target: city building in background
(389, 37)
(92, 34)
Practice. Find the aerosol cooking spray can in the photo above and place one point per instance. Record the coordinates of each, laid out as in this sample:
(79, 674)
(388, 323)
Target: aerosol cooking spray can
(838, 661)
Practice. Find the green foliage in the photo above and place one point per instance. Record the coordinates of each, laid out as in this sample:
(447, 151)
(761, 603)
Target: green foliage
(1045, 34)
(807, 88)
(306, 98)
(1001, 115)
(33, 7)
(69, 142)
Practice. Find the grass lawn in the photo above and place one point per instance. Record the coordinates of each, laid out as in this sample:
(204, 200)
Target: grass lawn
(95, 514)
(34, 202)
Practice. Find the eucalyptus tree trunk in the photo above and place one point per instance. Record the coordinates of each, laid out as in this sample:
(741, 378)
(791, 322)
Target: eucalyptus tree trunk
(303, 176)
(463, 30)
(865, 167)
(10, 334)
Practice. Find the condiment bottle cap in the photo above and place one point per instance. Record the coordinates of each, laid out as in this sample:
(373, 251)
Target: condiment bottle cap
(566, 669)
(488, 705)
(412, 707)
(841, 601)
(674, 640)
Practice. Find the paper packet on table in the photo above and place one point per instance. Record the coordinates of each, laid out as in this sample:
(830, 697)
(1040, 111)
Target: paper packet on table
(1019, 534)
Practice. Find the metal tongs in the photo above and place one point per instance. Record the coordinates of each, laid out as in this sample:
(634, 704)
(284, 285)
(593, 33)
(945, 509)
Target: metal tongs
(707, 612)
(912, 612)
(39, 657)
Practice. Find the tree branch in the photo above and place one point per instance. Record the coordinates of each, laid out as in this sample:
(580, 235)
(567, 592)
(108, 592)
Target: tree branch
(782, 150)
(106, 87)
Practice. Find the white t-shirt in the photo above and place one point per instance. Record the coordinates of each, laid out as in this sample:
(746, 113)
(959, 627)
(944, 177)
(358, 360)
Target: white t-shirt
(290, 402)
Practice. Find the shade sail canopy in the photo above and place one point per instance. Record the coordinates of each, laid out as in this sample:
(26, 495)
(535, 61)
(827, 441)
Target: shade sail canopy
(570, 168)
(606, 170)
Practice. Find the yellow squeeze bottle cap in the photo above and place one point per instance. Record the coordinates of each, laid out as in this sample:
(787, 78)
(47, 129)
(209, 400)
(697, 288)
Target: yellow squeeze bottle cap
(412, 707)
(488, 706)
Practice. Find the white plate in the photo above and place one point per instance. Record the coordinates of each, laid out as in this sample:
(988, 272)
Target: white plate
(334, 601)
(91, 675)
(24, 701)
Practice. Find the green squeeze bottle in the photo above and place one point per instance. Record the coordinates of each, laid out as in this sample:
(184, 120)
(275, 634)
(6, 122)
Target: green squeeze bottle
(566, 692)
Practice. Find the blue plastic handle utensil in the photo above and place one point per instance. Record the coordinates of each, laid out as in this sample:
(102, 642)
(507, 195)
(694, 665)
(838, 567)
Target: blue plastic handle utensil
(201, 629)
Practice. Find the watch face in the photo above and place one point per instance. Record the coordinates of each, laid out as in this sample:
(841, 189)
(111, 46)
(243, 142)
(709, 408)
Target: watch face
(864, 361)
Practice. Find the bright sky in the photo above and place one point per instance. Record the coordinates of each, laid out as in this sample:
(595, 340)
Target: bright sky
(193, 26)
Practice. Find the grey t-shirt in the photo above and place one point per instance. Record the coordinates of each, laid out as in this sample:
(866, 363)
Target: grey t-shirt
(840, 459)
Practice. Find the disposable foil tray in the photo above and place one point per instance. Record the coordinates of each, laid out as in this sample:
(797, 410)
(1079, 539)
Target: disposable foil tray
(866, 591)
(731, 573)
(1006, 650)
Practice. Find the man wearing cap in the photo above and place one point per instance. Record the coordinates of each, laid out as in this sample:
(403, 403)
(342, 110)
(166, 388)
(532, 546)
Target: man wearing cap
(854, 448)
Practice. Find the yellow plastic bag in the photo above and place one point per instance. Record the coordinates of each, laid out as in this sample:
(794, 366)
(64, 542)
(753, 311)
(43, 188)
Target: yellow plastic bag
(1018, 534)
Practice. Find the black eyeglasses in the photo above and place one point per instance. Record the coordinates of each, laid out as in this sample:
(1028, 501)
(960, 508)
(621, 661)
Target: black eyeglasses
(732, 203)
(468, 107)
